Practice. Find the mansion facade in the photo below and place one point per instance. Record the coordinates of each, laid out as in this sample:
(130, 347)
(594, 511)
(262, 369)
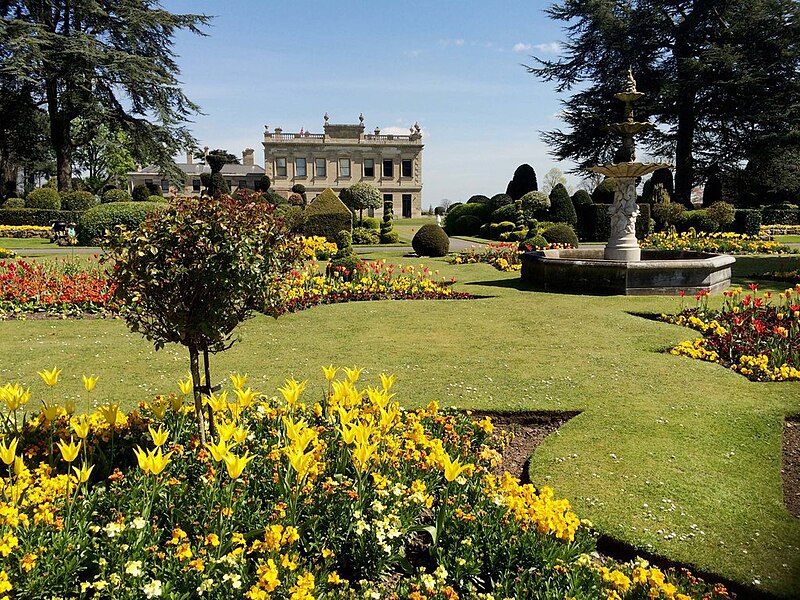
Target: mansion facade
(343, 155)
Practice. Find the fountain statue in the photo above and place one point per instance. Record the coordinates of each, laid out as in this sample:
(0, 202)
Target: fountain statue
(622, 267)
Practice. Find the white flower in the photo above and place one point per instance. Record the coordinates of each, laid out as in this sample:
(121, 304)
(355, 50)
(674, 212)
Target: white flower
(153, 589)
(134, 568)
(138, 523)
(112, 529)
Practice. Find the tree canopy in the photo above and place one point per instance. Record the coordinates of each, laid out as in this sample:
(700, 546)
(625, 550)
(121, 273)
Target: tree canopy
(105, 61)
(360, 196)
(721, 79)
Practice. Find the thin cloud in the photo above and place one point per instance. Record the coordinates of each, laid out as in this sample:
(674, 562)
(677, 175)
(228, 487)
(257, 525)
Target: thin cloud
(450, 42)
(550, 47)
(520, 47)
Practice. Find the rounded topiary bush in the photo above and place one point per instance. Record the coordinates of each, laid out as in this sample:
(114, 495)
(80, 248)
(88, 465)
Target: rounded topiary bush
(535, 205)
(116, 196)
(366, 236)
(467, 225)
(699, 220)
(604, 193)
(477, 209)
(371, 223)
(45, 197)
(561, 233)
(430, 240)
(140, 193)
(723, 213)
(153, 198)
(505, 213)
(77, 201)
(580, 198)
(499, 200)
(478, 199)
(95, 221)
(533, 243)
(390, 236)
(14, 203)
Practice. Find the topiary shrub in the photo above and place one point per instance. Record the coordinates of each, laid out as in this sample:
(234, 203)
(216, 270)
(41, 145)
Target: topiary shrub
(499, 201)
(371, 223)
(515, 236)
(604, 193)
(77, 201)
(478, 199)
(14, 203)
(36, 216)
(504, 213)
(781, 214)
(561, 208)
(154, 198)
(326, 216)
(478, 210)
(535, 205)
(366, 236)
(116, 196)
(747, 221)
(644, 224)
(533, 243)
(430, 240)
(524, 181)
(723, 213)
(699, 220)
(580, 198)
(46, 198)
(345, 263)
(140, 193)
(561, 233)
(292, 216)
(217, 185)
(93, 223)
(263, 183)
(389, 237)
(154, 189)
(388, 234)
(296, 199)
(664, 177)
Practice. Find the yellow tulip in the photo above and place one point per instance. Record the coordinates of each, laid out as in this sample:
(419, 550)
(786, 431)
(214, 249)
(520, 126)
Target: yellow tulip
(330, 372)
(244, 397)
(50, 377)
(159, 408)
(81, 426)
(159, 436)
(348, 433)
(110, 412)
(219, 450)
(7, 453)
(353, 374)
(69, 452)
(83, 473)
(236, 464)
(292, 390)
(378, 397)
(19, 466)
(363, 433)
(225, 430)
(14, 396)
(240, 435)
(239, 381)
(50, 411)
(293, 429)
(142, 457)
(235, 409)
(452, 468)
(185, 385)
(300, 461)
(362, 455)
(345, 416)
(89, 382)
(69, 407)
(176, 402)
(158, 461)
(387, 381)
(217, 403)
(303, 439)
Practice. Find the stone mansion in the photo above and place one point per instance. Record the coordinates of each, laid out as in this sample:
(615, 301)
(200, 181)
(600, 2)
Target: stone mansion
(337, 158)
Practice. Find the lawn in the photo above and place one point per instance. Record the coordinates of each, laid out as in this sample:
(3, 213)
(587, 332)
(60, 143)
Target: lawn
(788, 239)
(26, 243)
(673, 455)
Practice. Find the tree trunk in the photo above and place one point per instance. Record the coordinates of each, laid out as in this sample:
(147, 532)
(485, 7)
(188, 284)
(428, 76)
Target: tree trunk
(194, 365)
(61, 138)
(687, 93)
(211, 429)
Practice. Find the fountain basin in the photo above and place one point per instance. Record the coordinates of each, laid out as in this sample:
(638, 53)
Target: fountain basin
(659, 272)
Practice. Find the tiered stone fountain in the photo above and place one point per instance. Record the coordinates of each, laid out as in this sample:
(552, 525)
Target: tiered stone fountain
(622, 267)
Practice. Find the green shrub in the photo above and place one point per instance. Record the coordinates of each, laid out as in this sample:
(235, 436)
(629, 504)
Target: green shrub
(430, 240)
(217, 185)
(346, 267)
(14, 203)
(699, 220)
(478, 210)
(389, 236)
(156, 199)
(498, 229)
(77, 201)
(664, 178)
(297, 188)
(274, 197)
(580, 198)
(366, 236)
(478, 199)
(500, 200)
(154, 189)
(747, 221)
(292, 217)
(524, 181)
(46, 198)
(326, 216)
(604, 193)
(561, 208)
(644, 224)
(93, 223)
(262, 185)
(535, 205)
(667, 214)
(516, 235)
(371, 223)
(561, 233)
(504, 213)
(723, 213)
(140, 193)
(781, 214)
(116, 196)
(36, 216)
(532, 243)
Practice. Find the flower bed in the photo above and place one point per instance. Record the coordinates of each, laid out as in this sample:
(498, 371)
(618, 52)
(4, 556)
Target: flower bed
(25, 231)
(755, 335)
(341, 496)
(503, 256)
(5, 253)
(725, 243)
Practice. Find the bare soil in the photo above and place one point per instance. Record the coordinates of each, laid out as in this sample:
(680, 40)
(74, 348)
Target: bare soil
(791, 465)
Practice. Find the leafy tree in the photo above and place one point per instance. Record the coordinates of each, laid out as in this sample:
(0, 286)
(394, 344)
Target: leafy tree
(104, 155)
(361, 195)
(524, 181)
(552, 178)
(193, 272)
(721, 78)
(104, 61)
(712, 192)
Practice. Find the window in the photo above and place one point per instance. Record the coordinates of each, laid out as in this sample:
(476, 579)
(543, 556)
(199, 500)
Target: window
(388, 167)
(406, 206)
(406, 167)
(319, 166)
(164, 185)
(344, 167)
(242, 184)
(387, 199)
(148, 182)
(300, 167)
(280, 167)
(195, 185)
(369, 167)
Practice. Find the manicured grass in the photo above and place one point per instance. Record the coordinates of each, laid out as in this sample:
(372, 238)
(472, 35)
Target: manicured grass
(20, 243)
(788, 239)
(664, 445)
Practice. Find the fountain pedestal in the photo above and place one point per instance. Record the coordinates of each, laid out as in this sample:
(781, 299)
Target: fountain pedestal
(622, 244)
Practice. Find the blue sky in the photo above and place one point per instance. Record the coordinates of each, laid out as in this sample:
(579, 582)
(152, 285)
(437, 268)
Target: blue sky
(453, 67)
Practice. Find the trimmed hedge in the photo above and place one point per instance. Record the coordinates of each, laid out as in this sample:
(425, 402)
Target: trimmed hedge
(532, 243)
(594, 222)
(326, 216)
(78, 200)
(467, 225)
(366, 236)
(604, 192)
(371, 223)
(699, 220)
(45, 198)
(505, 213)
(477, 209)
(561, 233)
(561, 207)
(781, 214)
(14, 203)
(116, 196)
(478, 199)
(94, 222)
(36, 216)
(500, 200)
(140, 193)
(430, 240)
(747, 221)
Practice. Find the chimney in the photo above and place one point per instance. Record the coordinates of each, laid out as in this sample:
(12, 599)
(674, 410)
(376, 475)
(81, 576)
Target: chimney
(189, 157)
(247, 157)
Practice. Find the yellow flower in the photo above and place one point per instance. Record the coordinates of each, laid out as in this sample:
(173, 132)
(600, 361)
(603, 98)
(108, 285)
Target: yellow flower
(452, 468)
(158, 461)
(50, 411)
(239, 381)
(352, 374)
(69, 452)
(110, 413)
(387, 381)
(159, 408)
(217, 403)
(218, 451)
(362, 455)
(50, 377)
(240, 435)
(176, 402)
(185, 385)
(81, 426)
(19, 466)
(143, 458)
(244, 397)
(300, 462)
(7, 453)
(89, 382)
(159, 436)
(330, 372)
(83, 473)
(236, 464)
(292, 390)
(225, 429)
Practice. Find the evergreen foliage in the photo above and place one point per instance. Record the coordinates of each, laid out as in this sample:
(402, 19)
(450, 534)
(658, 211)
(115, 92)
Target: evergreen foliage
(115, 195)
(326, 216)
(561, 208)
(524, 181)
(44, 197)
(95, 222)
(561, 233)
(77, 201)
(604, 192)
(140, 193)
(430, 240)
